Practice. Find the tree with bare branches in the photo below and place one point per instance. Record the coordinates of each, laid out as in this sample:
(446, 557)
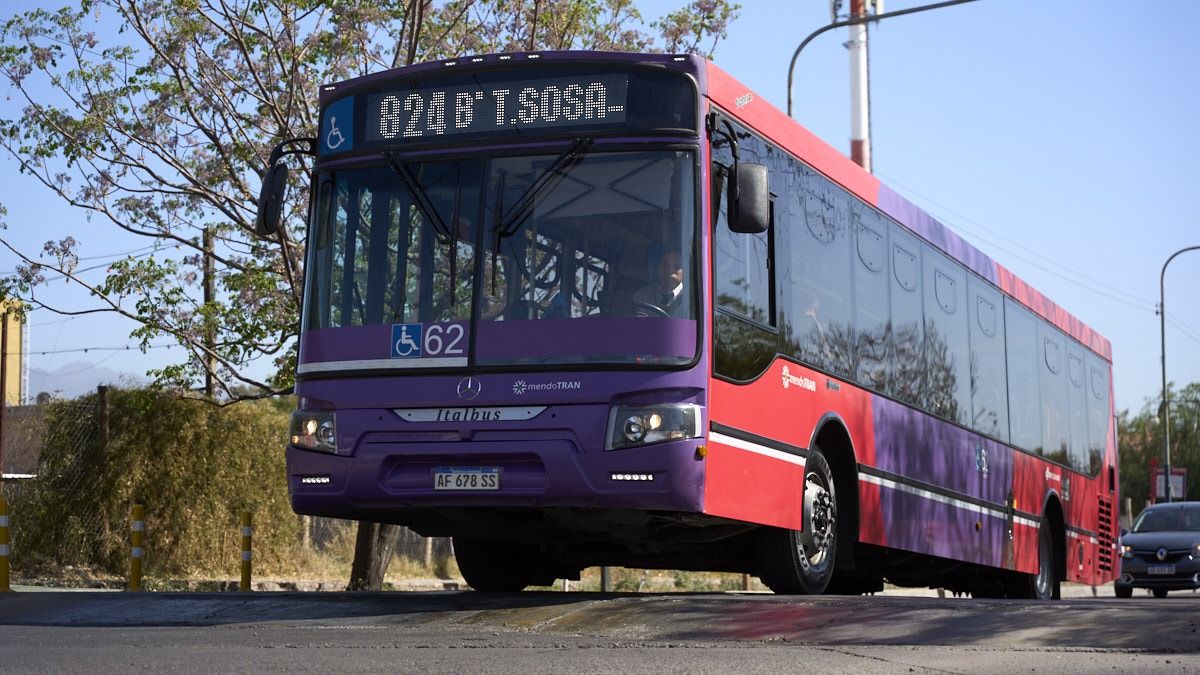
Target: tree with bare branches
(162, 131)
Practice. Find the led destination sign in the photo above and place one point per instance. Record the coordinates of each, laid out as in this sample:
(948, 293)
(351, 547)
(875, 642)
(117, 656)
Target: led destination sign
(585, 100)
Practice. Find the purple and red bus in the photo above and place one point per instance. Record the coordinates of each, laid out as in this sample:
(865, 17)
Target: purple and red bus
(579, 309)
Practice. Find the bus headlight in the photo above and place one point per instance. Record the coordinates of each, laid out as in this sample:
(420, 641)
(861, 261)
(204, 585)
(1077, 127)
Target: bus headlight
(633, 425)
(314, 430)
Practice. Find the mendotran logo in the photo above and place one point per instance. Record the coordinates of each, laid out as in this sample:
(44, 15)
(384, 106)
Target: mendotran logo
(521, 386)
(797, 380)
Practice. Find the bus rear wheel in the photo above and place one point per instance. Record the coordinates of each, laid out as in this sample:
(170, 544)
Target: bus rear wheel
(1045, 584)
(798, 562)
(495, 565)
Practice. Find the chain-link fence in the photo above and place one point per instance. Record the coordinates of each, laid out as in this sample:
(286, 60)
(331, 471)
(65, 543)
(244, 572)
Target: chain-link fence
(50, 459)
(54, 457)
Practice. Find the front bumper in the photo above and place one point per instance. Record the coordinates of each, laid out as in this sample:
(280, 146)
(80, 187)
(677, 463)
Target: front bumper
(1135, 573)
(390, 475)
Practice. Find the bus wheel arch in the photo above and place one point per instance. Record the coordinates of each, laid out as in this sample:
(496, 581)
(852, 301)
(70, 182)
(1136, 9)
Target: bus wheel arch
(834, 441)
(831, 493)
(1053, 526)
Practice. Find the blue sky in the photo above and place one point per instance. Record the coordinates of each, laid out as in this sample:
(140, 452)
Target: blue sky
(1058, 137)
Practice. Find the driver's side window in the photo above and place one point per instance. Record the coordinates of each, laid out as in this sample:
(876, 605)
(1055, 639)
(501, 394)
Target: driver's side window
(747, 339)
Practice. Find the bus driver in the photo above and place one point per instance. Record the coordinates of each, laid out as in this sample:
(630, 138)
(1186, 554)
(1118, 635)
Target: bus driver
(666, 292)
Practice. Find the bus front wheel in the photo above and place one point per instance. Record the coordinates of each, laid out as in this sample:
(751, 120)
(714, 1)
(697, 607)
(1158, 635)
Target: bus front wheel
(495, 565)
(801, 561)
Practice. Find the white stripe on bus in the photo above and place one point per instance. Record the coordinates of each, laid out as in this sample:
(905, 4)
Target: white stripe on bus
(718, 437)
(381, 364)
(943, 499)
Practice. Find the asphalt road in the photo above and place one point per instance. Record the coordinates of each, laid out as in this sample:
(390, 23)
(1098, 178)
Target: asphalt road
(589, 632)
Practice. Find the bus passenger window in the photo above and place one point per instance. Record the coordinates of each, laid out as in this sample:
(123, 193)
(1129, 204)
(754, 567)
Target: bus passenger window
(1024, 399)
(1052, 381)
(872, 328)
(908, 324)
(1077, 407)
(818, 276)
(989, 387)
(947, 354)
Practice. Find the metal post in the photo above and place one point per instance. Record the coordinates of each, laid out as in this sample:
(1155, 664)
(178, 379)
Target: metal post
(1166, 402)
(860, 92)
(605, 580)
(3, 383)
(851, 22)
(136, 530)
(4, 551)
(247, 535)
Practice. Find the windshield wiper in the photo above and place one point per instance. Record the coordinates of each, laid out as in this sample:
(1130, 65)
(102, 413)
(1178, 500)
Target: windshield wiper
(420, 198)
(551, 177)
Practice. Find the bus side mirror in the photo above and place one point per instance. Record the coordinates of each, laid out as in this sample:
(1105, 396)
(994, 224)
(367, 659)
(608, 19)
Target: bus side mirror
(749, 199)
(270, 200)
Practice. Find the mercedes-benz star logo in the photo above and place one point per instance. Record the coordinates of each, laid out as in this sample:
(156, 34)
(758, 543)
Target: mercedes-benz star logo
(469, 388)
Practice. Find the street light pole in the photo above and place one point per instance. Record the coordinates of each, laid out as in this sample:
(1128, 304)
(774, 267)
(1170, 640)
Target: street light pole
(1166, 404)
(854, 22)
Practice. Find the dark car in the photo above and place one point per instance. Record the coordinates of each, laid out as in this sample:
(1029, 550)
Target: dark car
(1162, 551)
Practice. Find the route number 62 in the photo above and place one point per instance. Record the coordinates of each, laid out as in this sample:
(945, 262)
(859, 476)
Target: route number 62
(445, 339)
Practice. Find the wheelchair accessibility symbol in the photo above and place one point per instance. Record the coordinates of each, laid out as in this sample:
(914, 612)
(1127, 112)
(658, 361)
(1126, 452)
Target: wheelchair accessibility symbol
(406, 340)
(334, 139)
(337, 126)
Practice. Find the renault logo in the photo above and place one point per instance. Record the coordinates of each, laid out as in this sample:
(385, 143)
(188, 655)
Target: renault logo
(1161, 554)
(469, 388)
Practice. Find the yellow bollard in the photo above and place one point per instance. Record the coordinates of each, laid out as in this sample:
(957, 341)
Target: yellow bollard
(4, 546)
(247, 533)
(137, 529)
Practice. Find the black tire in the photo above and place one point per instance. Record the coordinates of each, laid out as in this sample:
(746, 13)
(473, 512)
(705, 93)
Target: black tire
(795, 562)
(1046, 583)
(1123, 591)
(493, 566)
(1160, 592)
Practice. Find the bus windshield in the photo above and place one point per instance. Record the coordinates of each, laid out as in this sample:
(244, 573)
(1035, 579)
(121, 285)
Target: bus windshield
(575, 256)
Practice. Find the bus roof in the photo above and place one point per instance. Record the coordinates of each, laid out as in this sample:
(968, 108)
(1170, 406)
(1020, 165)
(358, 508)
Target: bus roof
(734, 97)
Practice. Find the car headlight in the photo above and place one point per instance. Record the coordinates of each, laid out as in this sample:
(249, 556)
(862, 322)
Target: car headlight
(633, 425)
(1196, 550)
(314, 430)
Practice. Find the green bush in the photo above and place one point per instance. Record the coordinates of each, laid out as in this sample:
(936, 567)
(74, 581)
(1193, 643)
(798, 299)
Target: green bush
(193, 465)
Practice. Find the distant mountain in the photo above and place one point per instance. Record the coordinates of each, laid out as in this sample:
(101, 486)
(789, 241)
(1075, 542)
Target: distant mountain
(76, 379)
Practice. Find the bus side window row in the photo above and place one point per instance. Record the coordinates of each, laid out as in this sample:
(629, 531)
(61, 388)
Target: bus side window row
(861, 297)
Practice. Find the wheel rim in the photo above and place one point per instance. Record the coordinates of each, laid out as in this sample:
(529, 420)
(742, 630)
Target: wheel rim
(820, 514)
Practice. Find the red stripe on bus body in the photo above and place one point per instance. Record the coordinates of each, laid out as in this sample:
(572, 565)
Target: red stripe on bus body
(748, 486)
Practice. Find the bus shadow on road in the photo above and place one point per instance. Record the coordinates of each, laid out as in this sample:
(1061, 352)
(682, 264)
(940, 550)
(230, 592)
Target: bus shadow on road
(1150, 625)
(208, 609)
